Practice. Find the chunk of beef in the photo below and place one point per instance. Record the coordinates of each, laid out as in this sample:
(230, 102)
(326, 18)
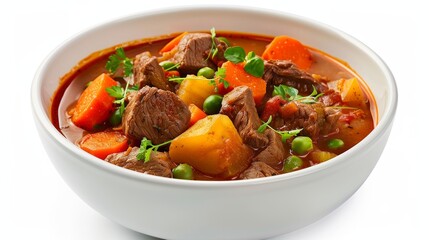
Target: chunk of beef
(273, 155)
(147, 71)
(258, 170)
(284, 72)
(193, 50)
(155, 114)
(332, 116)
(314, 119)
(239, 106)
(158, 165)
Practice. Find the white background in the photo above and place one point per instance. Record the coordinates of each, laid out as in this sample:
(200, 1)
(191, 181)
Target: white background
(393, 203)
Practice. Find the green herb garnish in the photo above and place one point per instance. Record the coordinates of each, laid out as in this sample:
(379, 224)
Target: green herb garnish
(254, 65)
(264, 125)
(310, 99)
(120, 59)
(291, 94)
(147, 147)
(116, 92)
(119, 93)
(286, 92)
(213, 48)
(220, 74)
(178, 80)
(235, 54)
(284, 134)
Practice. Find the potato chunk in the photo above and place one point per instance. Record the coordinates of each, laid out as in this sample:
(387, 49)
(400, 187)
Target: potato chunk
(212, 146)
(195, 89)
(350, 91)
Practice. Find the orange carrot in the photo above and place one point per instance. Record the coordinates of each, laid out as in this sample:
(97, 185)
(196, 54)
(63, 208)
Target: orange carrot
(101, 144)
(95, 104)
(236, 76)
(289, 109)
(173, 43)
(196, 114)
(287, 48)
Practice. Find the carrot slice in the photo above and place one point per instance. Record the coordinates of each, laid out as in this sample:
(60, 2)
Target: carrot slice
(236, 76)
(173, 43)
(287, 48)
(95, 104)
(196, 114)
(101, 144)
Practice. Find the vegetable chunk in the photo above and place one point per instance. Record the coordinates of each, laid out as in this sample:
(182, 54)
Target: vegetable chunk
(236, 76)
(287, 48)
(102, 144)
(212, 146)
(195, 89)
(196, 114)
(94, 105)
(350, 90)
(173, 43)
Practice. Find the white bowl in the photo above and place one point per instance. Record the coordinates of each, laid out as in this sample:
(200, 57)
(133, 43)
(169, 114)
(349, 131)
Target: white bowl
(246, 209)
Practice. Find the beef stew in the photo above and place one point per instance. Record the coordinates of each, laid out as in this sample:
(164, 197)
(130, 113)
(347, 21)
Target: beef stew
(219, 106)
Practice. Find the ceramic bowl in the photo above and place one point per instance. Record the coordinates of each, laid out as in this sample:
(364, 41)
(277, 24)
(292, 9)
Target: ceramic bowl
(245, 209)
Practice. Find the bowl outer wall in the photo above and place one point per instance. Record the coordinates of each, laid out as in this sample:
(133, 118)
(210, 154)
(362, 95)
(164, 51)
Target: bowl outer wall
(177, 209)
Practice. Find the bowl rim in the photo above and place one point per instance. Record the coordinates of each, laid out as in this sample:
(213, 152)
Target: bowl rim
(42, 117)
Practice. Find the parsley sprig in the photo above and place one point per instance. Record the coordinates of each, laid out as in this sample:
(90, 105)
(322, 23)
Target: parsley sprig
(147, 147)
(284, 134)
(253, 64)
(119, 93)
(213, 49)
(291, 94)
(120, 59)
(115, 61)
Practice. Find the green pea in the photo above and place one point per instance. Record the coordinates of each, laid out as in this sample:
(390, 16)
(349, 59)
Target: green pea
(183, 171)
(335, 143)
(292, 163)
(225, 40)
(168, 65)
(116, 118)
(212, 104)
(206, 72)
(302, 145)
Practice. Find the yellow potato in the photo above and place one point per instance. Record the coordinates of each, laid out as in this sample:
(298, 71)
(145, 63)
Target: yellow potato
(195, 89)
(351, 92)
(212, 146)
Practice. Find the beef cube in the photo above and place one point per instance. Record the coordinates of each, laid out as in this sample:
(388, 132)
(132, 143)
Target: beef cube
(239, 106)
(155, 114)
(274, 153)
(193, 51)
(147, 71)
(258, 170)
(284, 72)
(158, 165)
